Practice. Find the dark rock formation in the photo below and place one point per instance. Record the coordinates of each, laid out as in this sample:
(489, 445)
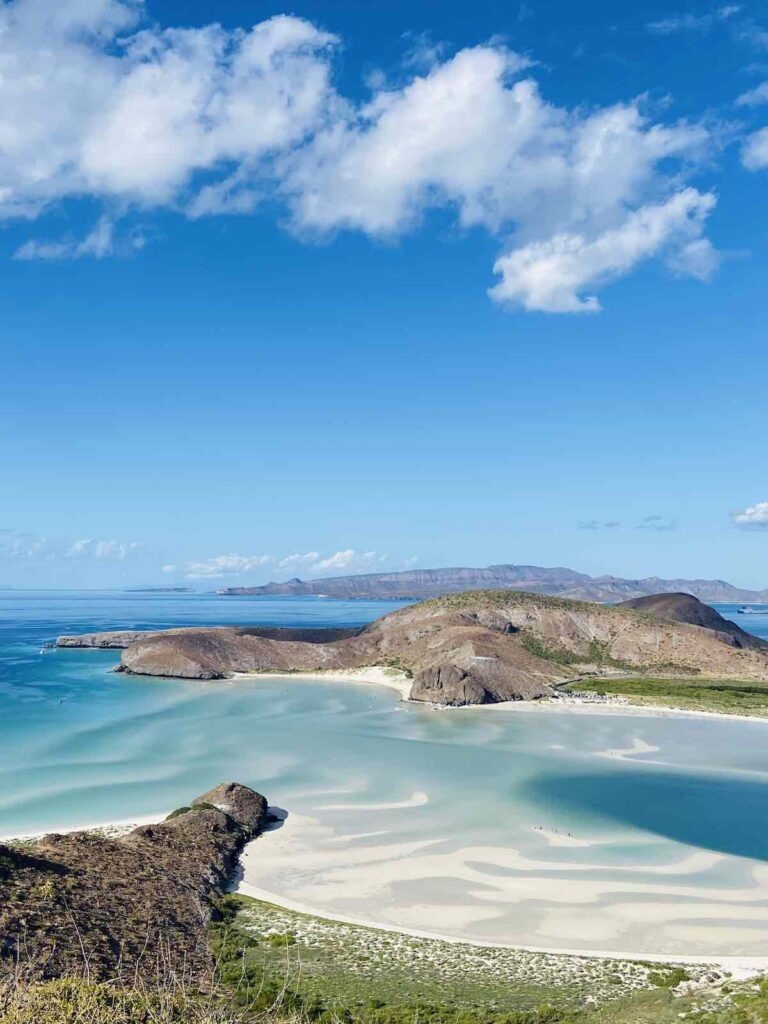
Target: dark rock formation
(473, 648)
(137, 906)
(686, 608)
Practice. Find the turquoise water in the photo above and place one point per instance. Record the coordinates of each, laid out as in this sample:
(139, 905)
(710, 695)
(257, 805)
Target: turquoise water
(554, 828)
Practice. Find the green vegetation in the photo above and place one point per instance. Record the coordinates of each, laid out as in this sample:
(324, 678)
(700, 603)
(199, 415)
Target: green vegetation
(178, 813)
(688, 694)
(597, 654)
(668, 979)
(330, 969)
(195, 807)
(333, 973)
(397, 665)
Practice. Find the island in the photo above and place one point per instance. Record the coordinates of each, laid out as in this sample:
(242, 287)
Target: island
(477, 647)
(554, 581)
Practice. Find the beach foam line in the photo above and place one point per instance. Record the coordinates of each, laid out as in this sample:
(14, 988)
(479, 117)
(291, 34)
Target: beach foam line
(120, 827)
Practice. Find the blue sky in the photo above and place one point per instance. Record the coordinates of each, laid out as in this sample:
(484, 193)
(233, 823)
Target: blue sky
(353, 287)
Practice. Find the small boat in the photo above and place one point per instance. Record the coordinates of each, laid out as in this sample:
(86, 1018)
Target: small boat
(746, 610)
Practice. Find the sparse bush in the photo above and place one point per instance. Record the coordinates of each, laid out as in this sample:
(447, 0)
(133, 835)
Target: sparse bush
(178, 813)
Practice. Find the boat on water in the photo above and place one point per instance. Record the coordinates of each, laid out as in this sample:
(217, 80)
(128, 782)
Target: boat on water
(746, 610)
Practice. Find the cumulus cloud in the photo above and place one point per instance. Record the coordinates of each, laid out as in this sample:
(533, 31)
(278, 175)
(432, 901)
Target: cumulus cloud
(310, 562)
(597, 524)
(552, 276)
(754, 152)
(754, 517)
(208, 121)
(134, 117)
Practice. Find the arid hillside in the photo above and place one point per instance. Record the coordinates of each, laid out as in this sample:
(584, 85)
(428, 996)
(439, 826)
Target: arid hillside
(471, 648)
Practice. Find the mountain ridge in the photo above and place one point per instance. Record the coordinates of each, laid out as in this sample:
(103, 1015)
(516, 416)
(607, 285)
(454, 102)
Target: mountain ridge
(555, 581)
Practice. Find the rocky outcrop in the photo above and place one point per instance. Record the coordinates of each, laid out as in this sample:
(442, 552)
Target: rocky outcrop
(686, 608)
(137, 906)
(472, 648)
(117, 640)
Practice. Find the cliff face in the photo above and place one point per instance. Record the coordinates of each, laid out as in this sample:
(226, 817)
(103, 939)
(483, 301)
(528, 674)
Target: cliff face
(136, 906)
(472, 648)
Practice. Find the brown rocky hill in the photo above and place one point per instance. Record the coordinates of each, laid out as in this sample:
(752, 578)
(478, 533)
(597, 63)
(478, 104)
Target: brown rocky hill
(135, 907)
(471, 648)
(685, 608)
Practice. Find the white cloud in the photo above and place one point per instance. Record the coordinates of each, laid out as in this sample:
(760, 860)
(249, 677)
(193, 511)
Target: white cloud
(697, 258)
(208, 121)
(753, 517)
(551, 276)
(135, 117)
(754, 97)
(97, 244)
(17, 545)
(754, 152)
(693, 22)
(102, 549)
(308, 562)
(223, 565)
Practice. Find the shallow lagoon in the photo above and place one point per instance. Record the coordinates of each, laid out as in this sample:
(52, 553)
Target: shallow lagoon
(545, 827)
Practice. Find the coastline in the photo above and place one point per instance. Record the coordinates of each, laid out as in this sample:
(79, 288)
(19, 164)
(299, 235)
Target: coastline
(737, 966)
(393, 679)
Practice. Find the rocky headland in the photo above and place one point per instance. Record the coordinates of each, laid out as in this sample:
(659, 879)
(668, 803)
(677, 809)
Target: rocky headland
(128, 908)
(472, 648)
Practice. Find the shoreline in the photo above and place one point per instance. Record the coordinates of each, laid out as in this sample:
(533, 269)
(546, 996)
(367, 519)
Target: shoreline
(738, 966)
(393, 679)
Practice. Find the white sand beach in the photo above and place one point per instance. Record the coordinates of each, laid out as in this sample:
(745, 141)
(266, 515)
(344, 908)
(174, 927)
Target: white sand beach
(393, 679)
(303, 866)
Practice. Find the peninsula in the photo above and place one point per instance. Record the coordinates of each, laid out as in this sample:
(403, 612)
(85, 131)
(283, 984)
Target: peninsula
(478, 647)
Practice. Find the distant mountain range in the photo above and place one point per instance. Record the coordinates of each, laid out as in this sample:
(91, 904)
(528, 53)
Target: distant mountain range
(558, 582)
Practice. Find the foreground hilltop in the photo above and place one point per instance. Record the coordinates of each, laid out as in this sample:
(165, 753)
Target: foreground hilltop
(472, 648)
(131, 908)
(418, 584)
